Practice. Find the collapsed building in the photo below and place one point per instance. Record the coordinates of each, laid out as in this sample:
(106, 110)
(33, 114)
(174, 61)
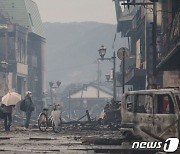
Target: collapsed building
(22, 49)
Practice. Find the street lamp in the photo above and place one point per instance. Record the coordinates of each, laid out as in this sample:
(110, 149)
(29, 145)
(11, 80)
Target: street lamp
(84, 88)
(58, 83)
(102, 52)
(108, 77)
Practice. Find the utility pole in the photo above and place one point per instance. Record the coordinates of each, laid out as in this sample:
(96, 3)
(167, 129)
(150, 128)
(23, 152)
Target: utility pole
(154, 36)
(154, 33)
(123, 73)
(69, 105)
(114, 76)
(98, 79)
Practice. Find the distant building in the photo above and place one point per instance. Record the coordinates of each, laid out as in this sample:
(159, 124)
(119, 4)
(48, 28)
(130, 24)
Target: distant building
(22, 46)
(86, 98)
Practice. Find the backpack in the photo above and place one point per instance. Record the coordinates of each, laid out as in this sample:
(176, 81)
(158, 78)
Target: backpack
(23, 105)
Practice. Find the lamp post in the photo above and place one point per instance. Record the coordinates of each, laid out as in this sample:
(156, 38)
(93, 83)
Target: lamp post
(98, 79)
(102, 53)
(69, 105)
(58, 83)
(84, 88)
(108, 77)
(122, 54)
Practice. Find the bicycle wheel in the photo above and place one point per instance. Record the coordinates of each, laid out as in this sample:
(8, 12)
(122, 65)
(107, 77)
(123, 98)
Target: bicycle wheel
(57, 127)
(42, 122)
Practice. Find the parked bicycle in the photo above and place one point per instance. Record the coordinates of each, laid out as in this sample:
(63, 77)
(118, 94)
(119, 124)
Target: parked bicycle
(53, 120)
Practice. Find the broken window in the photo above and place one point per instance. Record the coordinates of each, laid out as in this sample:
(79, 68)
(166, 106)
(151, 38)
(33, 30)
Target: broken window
(164, 104)
(139, 103)
(143, 104)
(178, 101)
(130, 102)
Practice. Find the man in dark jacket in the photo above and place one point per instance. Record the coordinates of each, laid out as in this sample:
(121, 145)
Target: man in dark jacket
(7, 113)
(29, 108)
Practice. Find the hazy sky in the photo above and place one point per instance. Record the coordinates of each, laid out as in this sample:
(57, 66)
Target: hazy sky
(77, 10)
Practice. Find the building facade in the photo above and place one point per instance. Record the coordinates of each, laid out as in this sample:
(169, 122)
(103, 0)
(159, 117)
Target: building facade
(170, 43)
(135, 23)
(13, 40)
(22, 48)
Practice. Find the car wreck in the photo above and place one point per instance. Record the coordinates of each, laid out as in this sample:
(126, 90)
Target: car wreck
(151, 114)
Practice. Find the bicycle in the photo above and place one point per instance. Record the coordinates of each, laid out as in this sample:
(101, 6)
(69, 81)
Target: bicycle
(45, 121)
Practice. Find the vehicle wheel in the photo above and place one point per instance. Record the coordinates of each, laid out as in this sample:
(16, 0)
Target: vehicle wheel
(42, 122)
(57, 129)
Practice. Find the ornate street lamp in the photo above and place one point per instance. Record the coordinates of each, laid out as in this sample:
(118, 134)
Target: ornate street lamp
(108, 77)
(58, 83)
(102, 52)
(51, 84)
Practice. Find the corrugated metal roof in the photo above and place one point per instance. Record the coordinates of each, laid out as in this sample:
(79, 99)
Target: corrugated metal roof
(24, 13)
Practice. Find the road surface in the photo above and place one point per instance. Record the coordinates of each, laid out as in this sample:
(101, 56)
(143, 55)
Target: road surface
(22, 141)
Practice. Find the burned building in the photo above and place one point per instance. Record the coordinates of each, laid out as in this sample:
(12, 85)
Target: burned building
(22, 49)
(170, 43)
(135, 23)
(13, 57)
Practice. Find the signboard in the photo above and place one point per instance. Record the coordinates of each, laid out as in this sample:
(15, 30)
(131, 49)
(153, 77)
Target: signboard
(123, 53)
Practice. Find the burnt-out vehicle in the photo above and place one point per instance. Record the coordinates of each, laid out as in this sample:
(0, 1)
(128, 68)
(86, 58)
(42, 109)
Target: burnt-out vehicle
(151, 114)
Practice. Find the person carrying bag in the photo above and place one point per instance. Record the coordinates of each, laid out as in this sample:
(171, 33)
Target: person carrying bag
(27, 106)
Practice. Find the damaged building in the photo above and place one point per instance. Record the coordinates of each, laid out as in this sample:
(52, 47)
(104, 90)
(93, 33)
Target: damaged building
(170, 43)
(136, 23)
(22, 49)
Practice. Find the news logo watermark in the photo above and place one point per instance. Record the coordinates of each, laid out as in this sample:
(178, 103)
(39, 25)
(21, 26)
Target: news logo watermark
(170, 145)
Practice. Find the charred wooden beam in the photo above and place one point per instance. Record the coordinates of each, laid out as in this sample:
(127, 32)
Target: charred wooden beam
(88, 116)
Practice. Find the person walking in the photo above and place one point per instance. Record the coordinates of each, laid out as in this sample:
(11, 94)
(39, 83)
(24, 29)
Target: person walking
(29, 107)
(7, 114)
